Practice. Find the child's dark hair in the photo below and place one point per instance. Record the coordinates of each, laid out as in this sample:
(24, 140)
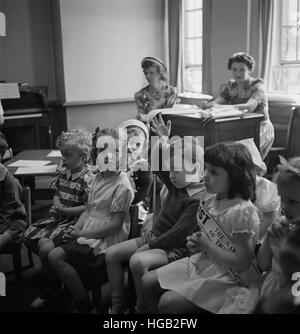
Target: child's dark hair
(281, 302)
(288, 171)
(236, 159)
(3, 145)
(289, 253)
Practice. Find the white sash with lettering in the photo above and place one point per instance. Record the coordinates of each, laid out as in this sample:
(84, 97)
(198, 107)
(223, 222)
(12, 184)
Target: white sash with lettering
(215, 233)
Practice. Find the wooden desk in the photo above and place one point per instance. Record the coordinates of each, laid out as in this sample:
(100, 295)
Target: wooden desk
(28, 179)
(218, 130)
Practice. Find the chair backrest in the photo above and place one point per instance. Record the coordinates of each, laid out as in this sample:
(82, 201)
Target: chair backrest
(134, 231)
(26, 199)
(280, 116)
(294, 134)
(7, 155)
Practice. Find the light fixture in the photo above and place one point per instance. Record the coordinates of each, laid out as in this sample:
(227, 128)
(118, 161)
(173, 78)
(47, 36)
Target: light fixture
(2, 25)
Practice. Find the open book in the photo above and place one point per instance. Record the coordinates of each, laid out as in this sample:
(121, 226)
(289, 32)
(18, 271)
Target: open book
(185, 109)
(176, 110)
(225, 111)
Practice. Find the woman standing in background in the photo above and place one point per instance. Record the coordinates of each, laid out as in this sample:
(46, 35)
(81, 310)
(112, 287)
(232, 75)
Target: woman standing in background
(158, 94)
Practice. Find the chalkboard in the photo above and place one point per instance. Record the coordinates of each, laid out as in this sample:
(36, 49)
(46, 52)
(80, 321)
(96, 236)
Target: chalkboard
(103, 44)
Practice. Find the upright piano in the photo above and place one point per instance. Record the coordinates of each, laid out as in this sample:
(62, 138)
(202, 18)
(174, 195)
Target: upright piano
(27, 123)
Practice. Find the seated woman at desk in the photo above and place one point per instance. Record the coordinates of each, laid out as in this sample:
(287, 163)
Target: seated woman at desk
(158, 94)
(247, 93)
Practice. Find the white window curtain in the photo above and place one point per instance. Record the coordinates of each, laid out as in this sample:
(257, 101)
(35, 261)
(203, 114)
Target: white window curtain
(262, 18)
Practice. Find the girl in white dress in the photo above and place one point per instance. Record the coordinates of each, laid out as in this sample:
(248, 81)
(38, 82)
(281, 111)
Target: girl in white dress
(224, 246)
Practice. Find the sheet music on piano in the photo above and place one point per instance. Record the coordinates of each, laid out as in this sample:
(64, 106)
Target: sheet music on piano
(9, 91)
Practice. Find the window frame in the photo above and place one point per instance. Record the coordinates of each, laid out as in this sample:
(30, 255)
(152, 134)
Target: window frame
(289, 62)
(188, 66)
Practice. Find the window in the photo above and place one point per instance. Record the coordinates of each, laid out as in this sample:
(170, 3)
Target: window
(286, 72)
(192, 81)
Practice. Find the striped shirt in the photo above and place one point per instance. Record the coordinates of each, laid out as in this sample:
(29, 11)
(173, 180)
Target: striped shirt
(73, 189)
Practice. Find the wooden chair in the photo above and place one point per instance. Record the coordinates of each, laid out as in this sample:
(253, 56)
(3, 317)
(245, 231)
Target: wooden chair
(284, 133)
(15, 249)
(7, 155)
(293, 147)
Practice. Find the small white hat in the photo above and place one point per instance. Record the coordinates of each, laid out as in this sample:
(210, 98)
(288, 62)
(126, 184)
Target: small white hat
(135, 123)
(256, 157)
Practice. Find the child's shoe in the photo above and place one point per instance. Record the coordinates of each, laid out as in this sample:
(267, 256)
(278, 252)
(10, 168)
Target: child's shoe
(47, 296)
(85, 306)
(141, 309)
(114, 310)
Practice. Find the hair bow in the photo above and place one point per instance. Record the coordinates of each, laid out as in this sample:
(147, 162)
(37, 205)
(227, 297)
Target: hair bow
(286, 166)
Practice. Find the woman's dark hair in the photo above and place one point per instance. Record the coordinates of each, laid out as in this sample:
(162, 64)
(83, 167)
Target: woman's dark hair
(236, 159)
(242, 57)
(3, 145)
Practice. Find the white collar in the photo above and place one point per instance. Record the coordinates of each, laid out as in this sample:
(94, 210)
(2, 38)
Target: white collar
(3, 172)
(75, 176)
(195, 188)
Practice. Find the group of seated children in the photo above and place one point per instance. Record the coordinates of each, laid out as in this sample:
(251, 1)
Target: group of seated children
(225, 240)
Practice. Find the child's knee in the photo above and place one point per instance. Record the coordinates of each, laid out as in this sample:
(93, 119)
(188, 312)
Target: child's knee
(136, 263)
(112, 254)
(166, 302)
(149, 281)
(56, 257)
(45, 248)
(42, 242)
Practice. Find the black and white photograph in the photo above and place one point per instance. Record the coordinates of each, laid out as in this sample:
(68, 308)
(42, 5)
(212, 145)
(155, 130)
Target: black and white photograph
(149, 161)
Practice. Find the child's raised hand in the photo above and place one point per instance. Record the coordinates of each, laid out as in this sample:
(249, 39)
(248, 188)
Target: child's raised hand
(159, 127)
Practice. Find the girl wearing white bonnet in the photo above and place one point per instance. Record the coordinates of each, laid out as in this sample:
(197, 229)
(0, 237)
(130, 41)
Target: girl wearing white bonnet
(139, 172)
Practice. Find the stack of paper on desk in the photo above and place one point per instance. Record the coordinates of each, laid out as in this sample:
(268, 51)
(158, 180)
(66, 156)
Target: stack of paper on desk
(176, 110)
(29, 163)
(51, 169)
(226, 111)
(54, 154)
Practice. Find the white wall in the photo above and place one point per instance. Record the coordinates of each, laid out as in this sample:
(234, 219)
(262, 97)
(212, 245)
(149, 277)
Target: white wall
(104, 115)
(103, 44)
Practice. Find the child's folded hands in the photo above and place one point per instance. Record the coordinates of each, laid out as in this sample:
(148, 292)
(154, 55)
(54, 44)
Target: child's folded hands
(57, 211)
(71, 233)
(197, 242)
